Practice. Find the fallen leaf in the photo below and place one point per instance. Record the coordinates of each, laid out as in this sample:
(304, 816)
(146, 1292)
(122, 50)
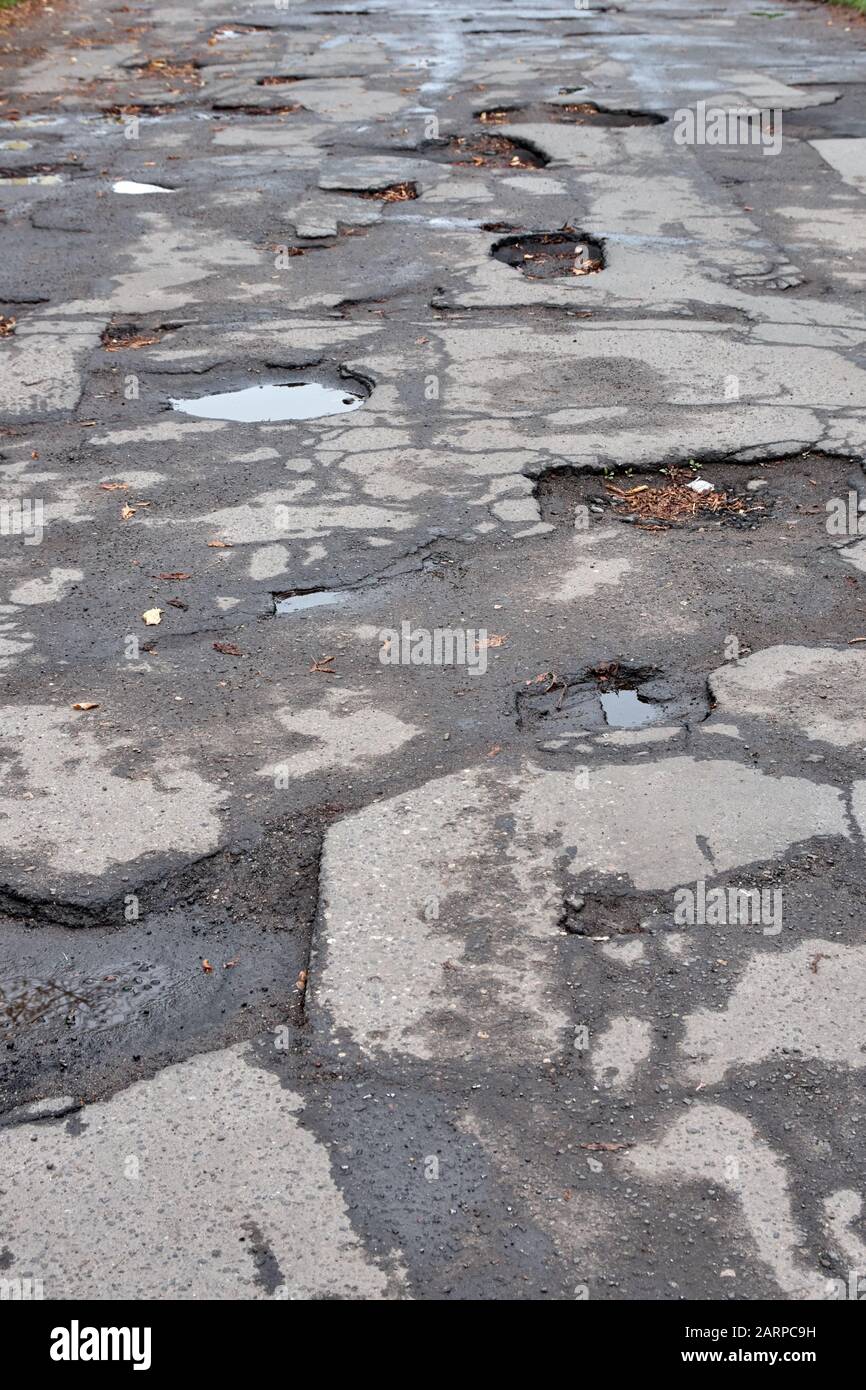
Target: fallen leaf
(174, 574)
(301, 982)
(207, 967)
(227, 649)
(229, 963)
(126, 511)
(321, 664)
(153, 617)
(491, 752)
(113, 487)
(177, 603)
(497, 640)
(85, 704)
(220, 545)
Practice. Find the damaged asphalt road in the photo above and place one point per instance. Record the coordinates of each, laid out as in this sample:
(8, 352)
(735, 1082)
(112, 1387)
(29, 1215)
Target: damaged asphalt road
(330, 967)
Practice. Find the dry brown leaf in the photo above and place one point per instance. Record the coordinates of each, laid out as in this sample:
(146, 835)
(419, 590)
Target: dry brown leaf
(497, 639)
(207, 967)
(152, 617)
(175, 574)
(227, 649)
(220, 545)
(113, 487)
(86, 704)
(126, 511)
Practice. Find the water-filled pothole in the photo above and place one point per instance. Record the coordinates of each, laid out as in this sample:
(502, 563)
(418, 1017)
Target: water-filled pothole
(296, 400)
(485, 151)
(549, 255)
(132, 186)
(299, 600)
(612, 695)
(79, 1000)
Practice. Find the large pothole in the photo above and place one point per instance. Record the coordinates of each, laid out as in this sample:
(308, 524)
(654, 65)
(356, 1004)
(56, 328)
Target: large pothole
(550, 255)
(569, 113)
(615, 694)
(693, 495)
(274, 402)
(485, 152)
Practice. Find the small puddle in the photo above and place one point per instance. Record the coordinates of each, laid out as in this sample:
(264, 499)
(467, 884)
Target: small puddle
(287, 401)
(624, 709)
(81, 1001)
(548, 255)
(313, 598)
(131, 186)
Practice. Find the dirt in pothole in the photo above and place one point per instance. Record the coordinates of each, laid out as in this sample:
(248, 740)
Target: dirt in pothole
(119, 336)
(187, 71)
(391, 193)
(485, 152)
(793, 491)
(570, 113)
(549, 255)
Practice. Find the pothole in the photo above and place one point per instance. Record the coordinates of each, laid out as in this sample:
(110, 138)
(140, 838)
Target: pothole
(36, 175)
(297, 400)
(299, 600)
(229, 109)
(485, 151)
(167, 68)
(390, 193)
(118, 337)
(612, 695)
(550, 255)
(697, 495)
(570, 113)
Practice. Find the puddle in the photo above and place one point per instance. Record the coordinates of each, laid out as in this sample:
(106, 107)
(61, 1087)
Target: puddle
(286, 401)
(624, 709)
(80, 1001)
(297, 601)
(549, 255)
(485, 152)
(130, 186)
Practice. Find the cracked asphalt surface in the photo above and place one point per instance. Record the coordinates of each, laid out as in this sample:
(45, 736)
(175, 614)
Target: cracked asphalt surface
(324, 975)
